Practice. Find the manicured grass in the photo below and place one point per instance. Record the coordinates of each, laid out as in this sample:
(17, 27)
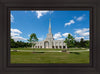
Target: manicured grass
(21, 48)
(49, 57)
(39, 49)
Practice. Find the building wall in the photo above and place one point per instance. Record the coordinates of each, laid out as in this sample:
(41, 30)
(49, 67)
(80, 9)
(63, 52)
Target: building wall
(52, 44)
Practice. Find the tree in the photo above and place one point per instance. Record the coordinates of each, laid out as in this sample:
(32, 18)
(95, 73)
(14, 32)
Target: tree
(82, 42)
(87, 43)
(18, 44)
(77, 44)
(33, 38)
(12, 43)
(70, 41)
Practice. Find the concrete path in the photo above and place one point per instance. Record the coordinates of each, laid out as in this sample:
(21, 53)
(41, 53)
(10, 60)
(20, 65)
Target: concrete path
(78, 50)
(50, 51)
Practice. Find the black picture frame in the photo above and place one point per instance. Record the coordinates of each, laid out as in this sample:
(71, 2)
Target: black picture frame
(7, 68)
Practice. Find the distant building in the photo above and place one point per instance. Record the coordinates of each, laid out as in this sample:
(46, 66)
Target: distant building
(49, 42)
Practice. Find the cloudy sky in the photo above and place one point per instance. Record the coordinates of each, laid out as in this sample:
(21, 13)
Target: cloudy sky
(24, 23)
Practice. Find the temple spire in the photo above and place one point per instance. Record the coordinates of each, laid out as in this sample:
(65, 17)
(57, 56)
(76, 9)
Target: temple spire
(49, 25)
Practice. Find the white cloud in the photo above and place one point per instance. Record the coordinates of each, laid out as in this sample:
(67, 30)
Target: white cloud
(41, 13)
(60, 38)
(70, 22)
(82, 32)
(57, 35)
(80, 18)
(18, 38)
(86, 34)
(65, 34)
(16, 31)
(15, 34)
(11, 18)
(78, 38)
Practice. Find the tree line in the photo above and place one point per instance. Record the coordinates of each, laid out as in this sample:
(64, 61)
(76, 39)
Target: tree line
(19, 44)
(33, 38)
(70, 42)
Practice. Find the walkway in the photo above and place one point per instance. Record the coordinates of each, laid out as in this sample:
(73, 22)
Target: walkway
(49, 51)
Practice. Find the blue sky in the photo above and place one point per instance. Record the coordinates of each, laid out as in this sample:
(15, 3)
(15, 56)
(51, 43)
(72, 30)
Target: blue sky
(26, 22)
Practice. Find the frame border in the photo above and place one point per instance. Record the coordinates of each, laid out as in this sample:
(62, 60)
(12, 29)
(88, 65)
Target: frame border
(53, 65)
(4, 31)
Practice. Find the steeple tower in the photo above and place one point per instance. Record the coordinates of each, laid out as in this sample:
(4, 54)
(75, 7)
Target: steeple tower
(49, 25)
(49, 35)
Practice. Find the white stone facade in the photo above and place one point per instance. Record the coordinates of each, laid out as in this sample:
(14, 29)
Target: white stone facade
(49, 42)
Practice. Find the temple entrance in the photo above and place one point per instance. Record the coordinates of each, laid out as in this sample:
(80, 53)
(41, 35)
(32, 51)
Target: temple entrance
(46, 44)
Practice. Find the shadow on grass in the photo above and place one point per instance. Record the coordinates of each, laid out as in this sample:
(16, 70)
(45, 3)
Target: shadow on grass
(37, 52)
(75, 53)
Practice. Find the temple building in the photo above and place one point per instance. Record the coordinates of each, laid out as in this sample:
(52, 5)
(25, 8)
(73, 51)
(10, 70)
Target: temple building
(49, 42)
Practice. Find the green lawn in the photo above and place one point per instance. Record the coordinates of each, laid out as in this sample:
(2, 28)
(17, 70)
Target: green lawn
(43, 49)
(48, 57)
